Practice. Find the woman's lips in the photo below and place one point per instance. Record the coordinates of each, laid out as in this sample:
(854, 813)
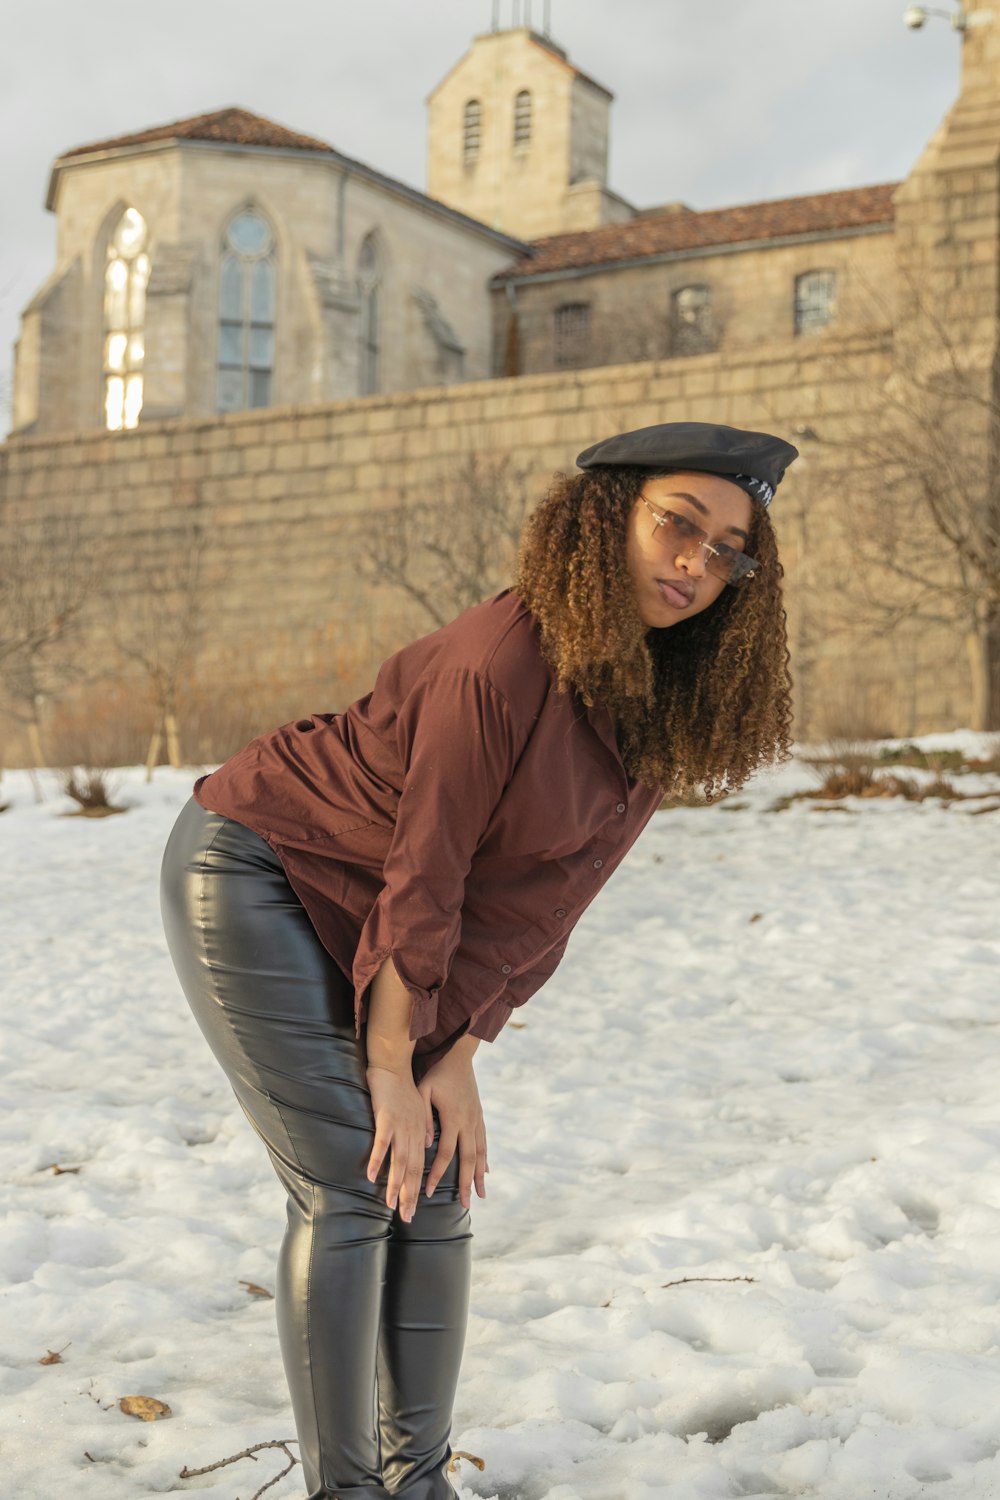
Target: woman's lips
(675, 593)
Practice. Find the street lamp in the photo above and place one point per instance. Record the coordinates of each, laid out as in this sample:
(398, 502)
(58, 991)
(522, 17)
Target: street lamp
(961, 19)
(916, 15)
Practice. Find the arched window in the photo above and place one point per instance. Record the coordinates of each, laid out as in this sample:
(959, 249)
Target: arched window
(126, 277)
(815, 300)
(369, 275)
(471, 131)
(691, 320)
(571, 334)
(246, 313)
(522, 121)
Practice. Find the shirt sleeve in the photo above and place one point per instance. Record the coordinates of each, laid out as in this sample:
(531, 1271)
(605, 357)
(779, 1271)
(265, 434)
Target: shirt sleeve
(458, 747)
(491, 1020)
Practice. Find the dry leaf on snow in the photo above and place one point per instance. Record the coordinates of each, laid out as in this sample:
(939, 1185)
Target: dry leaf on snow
(146, 1408)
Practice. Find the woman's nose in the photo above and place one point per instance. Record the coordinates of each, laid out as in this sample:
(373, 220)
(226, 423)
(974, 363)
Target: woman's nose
(692, 563)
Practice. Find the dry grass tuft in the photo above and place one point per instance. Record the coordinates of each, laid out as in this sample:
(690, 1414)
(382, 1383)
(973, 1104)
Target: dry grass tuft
(92, 792)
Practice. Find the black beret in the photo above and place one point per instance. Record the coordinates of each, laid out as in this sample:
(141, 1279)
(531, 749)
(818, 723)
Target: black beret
(755, 461)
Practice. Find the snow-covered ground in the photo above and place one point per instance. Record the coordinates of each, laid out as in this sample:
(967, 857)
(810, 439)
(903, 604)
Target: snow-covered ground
(742, 1228)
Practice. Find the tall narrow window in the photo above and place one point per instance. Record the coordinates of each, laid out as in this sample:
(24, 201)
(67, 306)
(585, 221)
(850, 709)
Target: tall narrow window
(571, 334)
(126, 277)
(246, 313)
(368, 330)
(522, 121)
(691, 320)
(815, 300)
(472, 121)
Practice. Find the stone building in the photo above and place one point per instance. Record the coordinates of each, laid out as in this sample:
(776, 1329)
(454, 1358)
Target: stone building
(226, 262)
(673, 282)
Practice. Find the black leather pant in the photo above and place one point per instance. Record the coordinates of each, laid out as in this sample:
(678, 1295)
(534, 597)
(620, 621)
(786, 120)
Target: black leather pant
(371, 1311)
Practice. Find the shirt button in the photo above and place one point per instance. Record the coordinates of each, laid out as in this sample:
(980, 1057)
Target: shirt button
(620, 807)
(560, 911)
(505, 968)
(598, 863)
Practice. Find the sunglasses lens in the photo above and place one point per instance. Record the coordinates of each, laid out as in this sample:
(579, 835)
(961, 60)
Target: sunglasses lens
(735, 568)
(683, 537)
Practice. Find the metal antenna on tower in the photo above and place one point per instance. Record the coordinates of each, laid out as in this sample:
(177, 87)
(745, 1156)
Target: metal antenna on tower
(515, 13)
(527, 14)
(495, 22)
(547, 22)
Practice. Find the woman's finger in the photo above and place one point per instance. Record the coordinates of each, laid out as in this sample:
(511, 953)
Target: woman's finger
(410, 1195)
(397, 1172)
(467, 1156)
(439, 1166)
(381, 1146)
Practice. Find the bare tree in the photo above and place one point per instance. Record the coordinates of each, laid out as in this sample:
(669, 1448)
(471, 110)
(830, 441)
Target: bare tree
(50, 571)
(160, 626)
(919, 506)
(452, 551)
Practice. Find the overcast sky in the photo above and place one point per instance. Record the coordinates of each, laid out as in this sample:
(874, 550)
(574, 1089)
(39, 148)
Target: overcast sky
(717, 101)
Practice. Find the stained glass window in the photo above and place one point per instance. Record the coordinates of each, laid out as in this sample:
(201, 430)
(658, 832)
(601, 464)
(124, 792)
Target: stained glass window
(126, 277)
(247, 293)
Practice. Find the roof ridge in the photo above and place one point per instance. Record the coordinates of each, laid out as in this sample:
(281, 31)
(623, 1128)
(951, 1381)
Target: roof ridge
(231, 125)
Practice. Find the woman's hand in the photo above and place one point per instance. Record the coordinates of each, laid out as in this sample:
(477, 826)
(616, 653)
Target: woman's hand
(400, 1124)
(450, 1086)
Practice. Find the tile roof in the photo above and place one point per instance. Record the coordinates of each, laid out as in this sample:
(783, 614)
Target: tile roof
(680, 229)
(234, 126)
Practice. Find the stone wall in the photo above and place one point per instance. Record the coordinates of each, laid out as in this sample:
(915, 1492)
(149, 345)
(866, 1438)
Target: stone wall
(289, 499)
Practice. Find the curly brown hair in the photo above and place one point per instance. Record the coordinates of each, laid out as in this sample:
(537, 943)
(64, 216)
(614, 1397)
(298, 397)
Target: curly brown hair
(702, 704)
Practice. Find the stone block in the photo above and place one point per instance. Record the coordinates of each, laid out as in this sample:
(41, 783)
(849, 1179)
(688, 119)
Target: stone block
(288, 456)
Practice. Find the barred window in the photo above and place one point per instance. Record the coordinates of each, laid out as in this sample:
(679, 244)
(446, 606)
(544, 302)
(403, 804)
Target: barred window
(369, 275)
(815, 300)
(126, 277)
(691, 320)
(471, 131)
(246, 313)
(522, 121)
(571, 334)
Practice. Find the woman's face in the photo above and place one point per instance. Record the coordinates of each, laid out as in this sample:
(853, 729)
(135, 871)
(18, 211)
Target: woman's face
(672, 588)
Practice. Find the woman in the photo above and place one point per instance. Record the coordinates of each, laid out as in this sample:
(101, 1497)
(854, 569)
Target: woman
(354, 901)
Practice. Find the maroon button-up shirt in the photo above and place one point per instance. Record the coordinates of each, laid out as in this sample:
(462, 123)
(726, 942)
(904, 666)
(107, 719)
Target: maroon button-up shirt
(460, 817)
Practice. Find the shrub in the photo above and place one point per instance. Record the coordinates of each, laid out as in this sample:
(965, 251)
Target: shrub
(91, 791)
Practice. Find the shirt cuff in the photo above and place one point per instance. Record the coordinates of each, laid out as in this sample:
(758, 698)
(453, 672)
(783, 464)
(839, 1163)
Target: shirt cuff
(423, 1003)
(489, 1023)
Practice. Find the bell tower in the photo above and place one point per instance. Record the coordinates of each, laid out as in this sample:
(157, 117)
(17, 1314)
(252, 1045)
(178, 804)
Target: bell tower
(518, 136)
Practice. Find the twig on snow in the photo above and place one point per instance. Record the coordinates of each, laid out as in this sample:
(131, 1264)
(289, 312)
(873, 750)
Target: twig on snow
(685, 1279)
(255, 1448)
